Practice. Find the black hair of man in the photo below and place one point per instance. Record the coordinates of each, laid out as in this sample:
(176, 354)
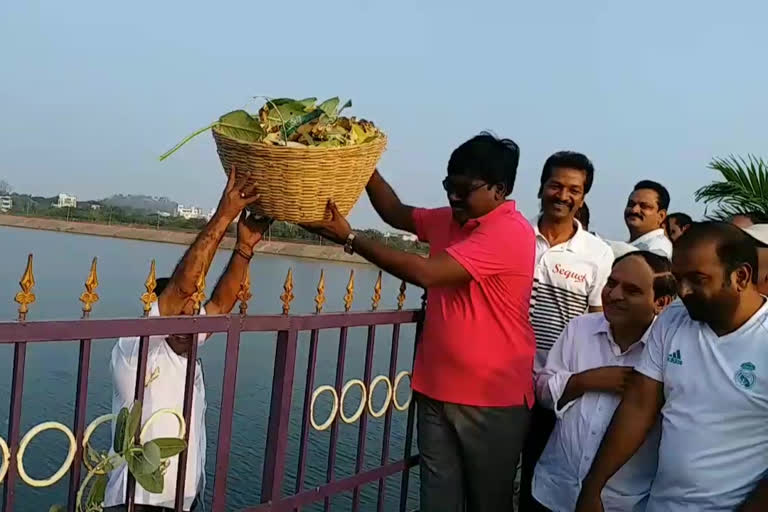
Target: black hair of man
(661, 192)
(664, 283)
(161, 284)
(582, 215)
(734, 247)
(488, 158)
(681, 219)
(568, 160)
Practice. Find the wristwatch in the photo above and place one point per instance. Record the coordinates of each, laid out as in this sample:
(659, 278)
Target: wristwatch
(348, 244)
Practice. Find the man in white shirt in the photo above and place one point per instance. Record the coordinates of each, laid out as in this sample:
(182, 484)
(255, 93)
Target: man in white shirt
(584, 378)
(572, 266)
(644, 215)
(704, 373)
(167, 357)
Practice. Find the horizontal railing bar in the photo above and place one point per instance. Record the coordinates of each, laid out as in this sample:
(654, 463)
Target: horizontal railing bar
(336, 487)
(74, 330)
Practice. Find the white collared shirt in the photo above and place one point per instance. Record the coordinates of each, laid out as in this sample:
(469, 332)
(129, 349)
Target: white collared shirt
(655, 241)
(166, 373)
(567, 280)
(714, 429)
(585, 344)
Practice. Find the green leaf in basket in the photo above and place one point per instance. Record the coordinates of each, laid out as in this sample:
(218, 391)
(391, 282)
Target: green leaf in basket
(329, 106)
(240, 125)
(306, 102)
(344, 107)
(295, 122)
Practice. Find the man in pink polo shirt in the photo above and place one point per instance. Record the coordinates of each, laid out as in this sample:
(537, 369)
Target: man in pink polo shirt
(473, 370)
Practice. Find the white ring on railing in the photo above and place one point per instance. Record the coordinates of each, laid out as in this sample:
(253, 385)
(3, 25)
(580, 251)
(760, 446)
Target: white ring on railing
(360, 409)
(5, 462)
(334, 408)
(160, 412)
(87, 437)
(48, 425)
(371, 387)
(400, 377)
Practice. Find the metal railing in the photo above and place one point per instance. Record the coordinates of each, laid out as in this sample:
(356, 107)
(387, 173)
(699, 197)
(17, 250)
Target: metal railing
(287, 328)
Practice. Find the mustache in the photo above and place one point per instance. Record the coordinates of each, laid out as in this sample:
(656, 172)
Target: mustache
(636, 215)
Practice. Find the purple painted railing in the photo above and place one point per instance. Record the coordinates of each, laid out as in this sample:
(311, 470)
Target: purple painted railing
(287, 328)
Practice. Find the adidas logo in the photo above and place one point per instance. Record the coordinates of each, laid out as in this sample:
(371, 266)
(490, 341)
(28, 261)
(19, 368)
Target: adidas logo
(675, 357)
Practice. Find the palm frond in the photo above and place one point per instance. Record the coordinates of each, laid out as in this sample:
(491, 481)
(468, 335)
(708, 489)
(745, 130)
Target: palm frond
(744, 188)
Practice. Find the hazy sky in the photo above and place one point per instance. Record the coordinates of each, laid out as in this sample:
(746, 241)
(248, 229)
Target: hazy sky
(92, 92)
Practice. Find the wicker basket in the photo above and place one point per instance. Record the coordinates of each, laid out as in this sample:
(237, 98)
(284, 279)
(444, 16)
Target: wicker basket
(296, 183)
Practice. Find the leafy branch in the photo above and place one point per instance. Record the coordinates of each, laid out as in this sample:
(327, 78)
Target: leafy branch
(744, 189)
(147, 462)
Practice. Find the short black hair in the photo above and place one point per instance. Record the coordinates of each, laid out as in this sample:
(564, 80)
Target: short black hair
(488, 158)
(568, 160)
(162, 283)
(582, 215)
(664, 284)
(733, 246)
(681, 219)
(660, 190)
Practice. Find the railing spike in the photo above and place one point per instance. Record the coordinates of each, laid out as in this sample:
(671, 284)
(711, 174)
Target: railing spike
(287, 296)
(26, 297)
(320, 297)
(89, 296)
(244, 295)
(149, 297)
(401, 296)
(376, 293)
(349, 298)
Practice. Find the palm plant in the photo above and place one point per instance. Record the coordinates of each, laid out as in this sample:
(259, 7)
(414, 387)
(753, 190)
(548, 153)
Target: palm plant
(744, 190)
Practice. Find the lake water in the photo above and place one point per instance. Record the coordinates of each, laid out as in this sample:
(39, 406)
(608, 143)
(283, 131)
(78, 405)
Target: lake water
(62, 262)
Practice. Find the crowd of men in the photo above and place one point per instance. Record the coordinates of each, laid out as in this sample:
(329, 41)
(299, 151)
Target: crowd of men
(628, 375)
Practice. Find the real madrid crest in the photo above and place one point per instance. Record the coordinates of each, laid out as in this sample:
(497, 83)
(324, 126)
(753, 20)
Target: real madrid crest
(745, 377)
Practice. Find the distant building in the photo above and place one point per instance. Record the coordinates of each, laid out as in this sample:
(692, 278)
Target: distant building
(66, 201)
(192, 212)
(408, 237)
(95, 207)
(6, 203)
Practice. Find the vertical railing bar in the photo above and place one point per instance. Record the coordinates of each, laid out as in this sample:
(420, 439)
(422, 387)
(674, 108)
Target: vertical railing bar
(228, 388)
(335, 426)
(411, 419)
(189, 391)
(305, 421)
(14, 424)
(81, 406)
(388, 417)
(360, 460)
(279, 416)
(138, 395)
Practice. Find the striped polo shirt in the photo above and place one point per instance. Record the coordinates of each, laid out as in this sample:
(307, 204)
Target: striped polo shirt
(568, 279)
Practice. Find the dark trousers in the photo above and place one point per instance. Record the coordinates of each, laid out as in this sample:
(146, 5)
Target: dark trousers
(469, 455)
(542, 425)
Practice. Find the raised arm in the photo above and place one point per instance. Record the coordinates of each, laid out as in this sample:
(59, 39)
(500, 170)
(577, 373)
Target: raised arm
(249, 233)
(388, 205)
(236, 196)
(629, 427)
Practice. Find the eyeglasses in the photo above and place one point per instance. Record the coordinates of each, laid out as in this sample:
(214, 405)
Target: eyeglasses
(461, 189)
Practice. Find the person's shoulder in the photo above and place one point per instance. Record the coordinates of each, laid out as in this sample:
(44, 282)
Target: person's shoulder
(587, 322)
(674, 316)
(595, 245)
(512, 221)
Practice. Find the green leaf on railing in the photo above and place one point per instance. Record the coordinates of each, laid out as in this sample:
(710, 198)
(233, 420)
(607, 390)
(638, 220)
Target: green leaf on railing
(122, 419)
(57, 508)
(152, 482)
(139, 464)
(152, 454)
(98, 491)
(132, 425)
(170, 446)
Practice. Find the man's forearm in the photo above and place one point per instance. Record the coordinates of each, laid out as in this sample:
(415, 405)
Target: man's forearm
(575, 387)
(224, 294)
(758, 500)
(197, 259)
(409, 267)
(627, 431)
(386, 203)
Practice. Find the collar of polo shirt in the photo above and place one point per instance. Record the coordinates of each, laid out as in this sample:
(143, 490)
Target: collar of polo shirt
(573, 244)
(505, 207)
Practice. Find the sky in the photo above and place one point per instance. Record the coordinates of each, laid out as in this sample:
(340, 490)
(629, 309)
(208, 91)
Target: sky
(92, 92)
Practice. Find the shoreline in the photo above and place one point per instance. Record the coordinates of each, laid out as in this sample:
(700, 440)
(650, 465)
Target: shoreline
(145, 234)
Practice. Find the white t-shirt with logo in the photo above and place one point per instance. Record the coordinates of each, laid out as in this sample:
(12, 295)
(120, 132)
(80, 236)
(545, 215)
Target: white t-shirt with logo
(567, 280)
(654, 241)
(714, 436)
